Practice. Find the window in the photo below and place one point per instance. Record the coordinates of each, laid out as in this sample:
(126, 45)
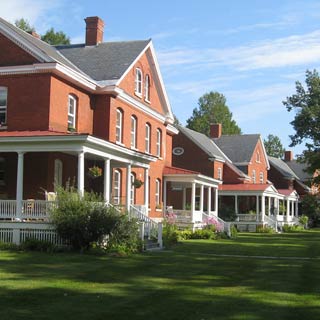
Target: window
(254, 176)
(138, 82)
(261, 177)
(158, 188)
(159, 138)
(219, 173)
(147, 88)
(72, 109)
(258, 157)
(119, 126)
(147, 138)
(133, 132)
(3, 106)
(58, 167)
(132, 190)
(2, 171)
(117, 187)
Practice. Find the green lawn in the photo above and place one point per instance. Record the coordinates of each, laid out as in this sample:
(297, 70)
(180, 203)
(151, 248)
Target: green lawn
(264, 277)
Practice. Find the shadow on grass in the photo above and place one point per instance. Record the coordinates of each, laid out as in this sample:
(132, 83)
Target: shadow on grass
(166, 285)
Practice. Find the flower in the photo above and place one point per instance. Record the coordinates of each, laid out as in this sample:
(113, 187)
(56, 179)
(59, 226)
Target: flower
(137, 183)
(215, 222)
(95, 172)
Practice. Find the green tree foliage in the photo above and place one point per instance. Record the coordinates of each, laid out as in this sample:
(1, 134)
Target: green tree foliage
(212, 109)
(24, 25)
(306, 105)
(311, 208)
(55, 37)
(274, 147)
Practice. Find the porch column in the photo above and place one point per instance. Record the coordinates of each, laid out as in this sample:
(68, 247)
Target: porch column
(128, 188)
(263, 207)
(106, 186)
(201, 197)
(209, 201)
(297, 208)
(184, 198)
(19, 190)
(146, 189)
(216, 201)
(269, 206)
(236, 204)
(164, 195)
(81, 173)
(193, 198)
(278, 206)
(257, 207)
(288, 209)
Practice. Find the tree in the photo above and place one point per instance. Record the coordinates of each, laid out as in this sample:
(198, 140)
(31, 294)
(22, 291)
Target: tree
(24, 25)
(212, 109)
(274, 147)
(306, 104)
(55, 38)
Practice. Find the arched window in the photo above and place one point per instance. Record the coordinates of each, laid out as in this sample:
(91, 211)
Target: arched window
(159, 140)
(138, 82)
(3, 106)
(117, 187)
(158, 192)
(254, 176)
(133, 132)
(147, 138)
(147, 88)
(58, 172)
(119, 122)
(72, 111)
(2, 171)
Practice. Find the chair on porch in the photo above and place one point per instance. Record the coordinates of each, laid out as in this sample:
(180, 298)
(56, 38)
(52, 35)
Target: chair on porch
(50, 196)
(29, 209)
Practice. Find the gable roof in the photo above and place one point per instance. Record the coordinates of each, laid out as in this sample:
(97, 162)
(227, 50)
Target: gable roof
(299, 169)
(283, 167)
(106, 61)
(205, 143)
(238, 148)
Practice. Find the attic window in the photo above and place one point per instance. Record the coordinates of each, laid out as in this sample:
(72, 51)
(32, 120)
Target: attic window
(258, 157)
(138, 82)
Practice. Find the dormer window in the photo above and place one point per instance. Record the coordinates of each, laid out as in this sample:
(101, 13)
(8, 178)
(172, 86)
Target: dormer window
(3, 106)
(138, 82)
(147, 89)
(72, 110)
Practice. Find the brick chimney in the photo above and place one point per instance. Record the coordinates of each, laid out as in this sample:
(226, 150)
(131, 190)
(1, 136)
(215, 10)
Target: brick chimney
(36, 35)
(94, 31)
(288, 155)
(215, 130)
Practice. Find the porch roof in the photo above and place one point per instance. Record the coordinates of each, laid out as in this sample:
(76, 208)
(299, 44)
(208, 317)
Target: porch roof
(72, 143)
(288, 193)
(249, 189)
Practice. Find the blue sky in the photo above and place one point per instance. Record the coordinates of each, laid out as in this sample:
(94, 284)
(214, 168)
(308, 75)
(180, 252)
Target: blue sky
(251, 51)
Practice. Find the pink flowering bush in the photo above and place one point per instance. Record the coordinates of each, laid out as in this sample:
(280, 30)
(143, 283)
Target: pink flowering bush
(170, 231)
(213, 223)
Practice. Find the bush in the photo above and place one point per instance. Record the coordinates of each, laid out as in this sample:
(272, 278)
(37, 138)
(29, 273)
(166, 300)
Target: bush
(310, 207)
(303, 220)
(87, 220)
(293, 228)
(205, 233)
(9, 246)
(170, 235)
(32, 244)
(264, 229)
(233, 232)
(227, 214)
(184, 234)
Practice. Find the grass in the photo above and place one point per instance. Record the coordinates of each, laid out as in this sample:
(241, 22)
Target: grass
(193, 281)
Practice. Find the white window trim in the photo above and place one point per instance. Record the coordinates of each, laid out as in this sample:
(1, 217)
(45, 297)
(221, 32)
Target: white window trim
(158, 192)
(219, 173)
(159, 143)
(119, 126)
(3, 109)
(74, 120)
(147, 89)
(117, 187)
(133, 134)
(138, 82)
(147, 137)
(254, 176)
(261, 177)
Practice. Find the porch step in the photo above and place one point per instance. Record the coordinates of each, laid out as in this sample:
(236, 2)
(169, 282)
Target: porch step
(151, 245)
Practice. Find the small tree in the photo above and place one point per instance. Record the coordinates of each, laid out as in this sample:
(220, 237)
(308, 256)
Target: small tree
(311, 208)
(55, 38)
(24, 25)
(274, 147)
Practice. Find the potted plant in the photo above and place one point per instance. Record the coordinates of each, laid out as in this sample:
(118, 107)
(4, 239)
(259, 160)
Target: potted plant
(137, 183)
(95, 172)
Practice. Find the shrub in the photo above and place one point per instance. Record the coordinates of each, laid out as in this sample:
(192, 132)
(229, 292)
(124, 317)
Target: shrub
(311, 208)
(170, 235)
(264, 229)
(233, 232)
(32, 244)
(227, 214)
(303, 220)
(205, 233)
(293, 228)
(184, 234)
(9, 246)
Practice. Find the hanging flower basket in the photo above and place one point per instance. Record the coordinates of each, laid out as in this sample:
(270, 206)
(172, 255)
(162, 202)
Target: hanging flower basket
(95, 172)
(137, 183)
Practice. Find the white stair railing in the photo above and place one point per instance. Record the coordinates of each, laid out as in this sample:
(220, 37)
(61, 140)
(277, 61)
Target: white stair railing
(271, 222)
(225, 226)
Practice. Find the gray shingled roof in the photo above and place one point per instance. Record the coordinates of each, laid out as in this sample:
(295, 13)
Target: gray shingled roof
(282, 166)
(238, 148)
(299, 169)
(106, 61)
(50, 51)
(205, 143)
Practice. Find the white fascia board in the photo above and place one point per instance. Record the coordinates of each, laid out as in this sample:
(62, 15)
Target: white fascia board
(197, 178)
(55, 68)
(31, 139)
(172, 129)
(265, 152)
(24, 44)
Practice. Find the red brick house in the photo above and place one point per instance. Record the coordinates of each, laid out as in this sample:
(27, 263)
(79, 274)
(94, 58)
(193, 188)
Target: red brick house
(241, 164)
(65, 109)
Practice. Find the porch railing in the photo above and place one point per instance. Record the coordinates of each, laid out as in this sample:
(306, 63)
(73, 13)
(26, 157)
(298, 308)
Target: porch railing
(247, 217)
(37, 209)
(8, 209)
